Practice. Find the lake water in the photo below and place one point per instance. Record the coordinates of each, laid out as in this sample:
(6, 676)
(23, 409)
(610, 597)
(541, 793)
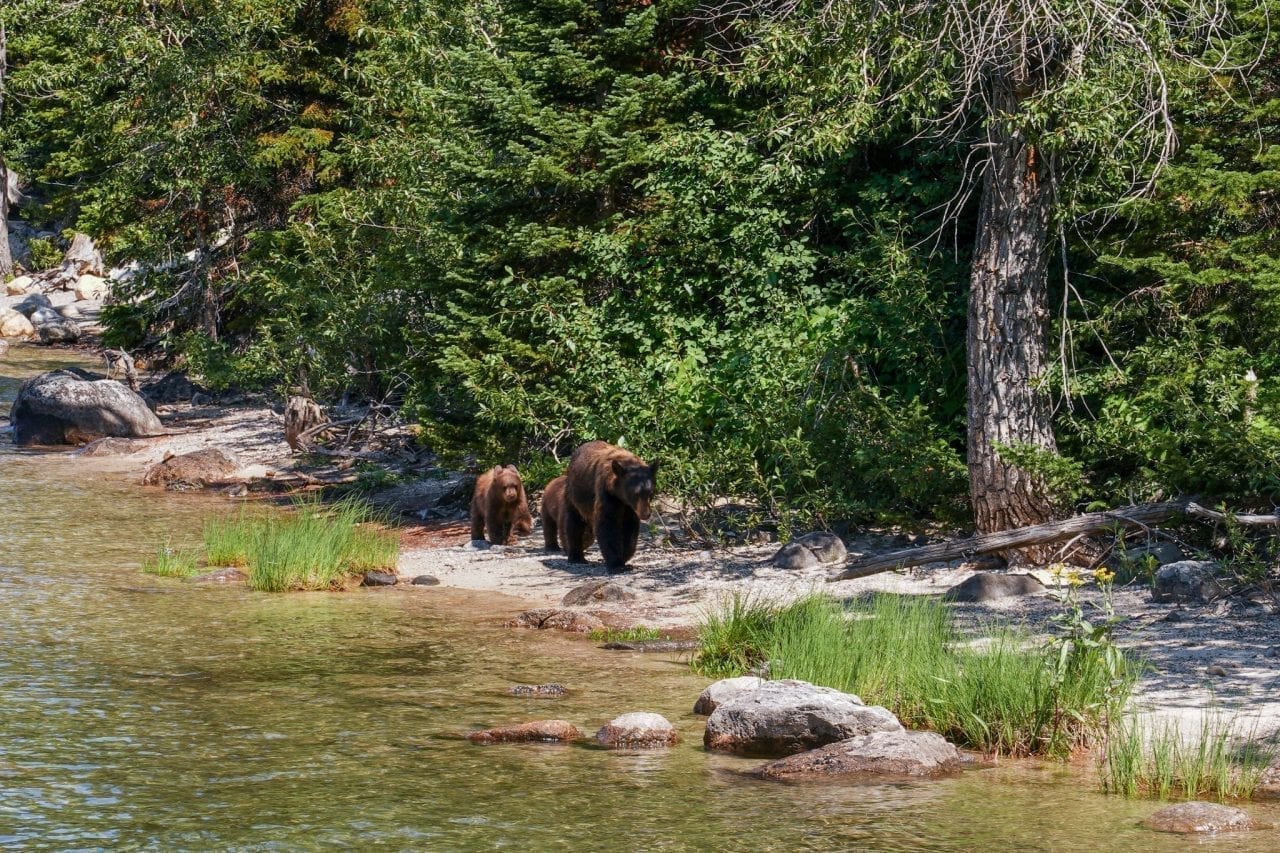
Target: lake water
(146, 712)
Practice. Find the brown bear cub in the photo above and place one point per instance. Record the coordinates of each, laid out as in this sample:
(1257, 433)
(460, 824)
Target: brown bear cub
(607, 494)
(499, 509)
(551, 510)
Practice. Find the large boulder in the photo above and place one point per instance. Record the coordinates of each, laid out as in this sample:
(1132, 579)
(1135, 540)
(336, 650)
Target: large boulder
(18, 286)
(902, 753)
(1199, 818)
(91, 287)
(785, 717)
(207, 467)
(1186, 580)
(723, 690)
(811, 549)
(70, 407)
(59, 331)
(14, 325)
(538, 730)
(637, 730)
(990, 586)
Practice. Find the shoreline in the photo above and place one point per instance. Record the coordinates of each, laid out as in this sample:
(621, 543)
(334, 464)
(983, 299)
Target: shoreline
(1203, 657)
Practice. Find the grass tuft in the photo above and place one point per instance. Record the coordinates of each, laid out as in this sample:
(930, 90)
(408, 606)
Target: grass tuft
(636, 634)
(1001, 694)
(172, 563)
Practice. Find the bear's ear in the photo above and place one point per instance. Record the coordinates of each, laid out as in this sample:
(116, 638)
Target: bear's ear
(619, 469)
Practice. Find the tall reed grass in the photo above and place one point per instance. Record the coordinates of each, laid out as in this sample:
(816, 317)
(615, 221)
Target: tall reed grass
(1147, 757)
(169, 562)
(1000, 693)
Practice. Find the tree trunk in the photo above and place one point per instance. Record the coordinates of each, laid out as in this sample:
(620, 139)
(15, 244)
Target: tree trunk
(6, 258)
(1007, 346)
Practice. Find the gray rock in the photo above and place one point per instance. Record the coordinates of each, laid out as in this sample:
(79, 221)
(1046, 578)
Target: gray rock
(59, 331)
(1186, 580)
(988, 586)
(426, 580)
(1160, 552)
(69, 407)
(200, 468)
(71, 312)
(45, 315)
(596, 591)
(379, 579)
(539, 691)
(222, 576)
(111, 447)
(637, 730)
(900, 753)
(723, 690)
(1197, 817)
(793, 555)
(827, 547)
(33, 303)
(785, 717)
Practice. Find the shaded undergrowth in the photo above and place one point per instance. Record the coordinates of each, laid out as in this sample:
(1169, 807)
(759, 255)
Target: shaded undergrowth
(999, 693)
(314, 546)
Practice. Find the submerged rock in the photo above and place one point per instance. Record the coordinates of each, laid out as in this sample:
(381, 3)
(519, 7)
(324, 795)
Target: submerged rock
(596, 591)
(207, 467)
(575, 621)
(723, 690)
(990, 586)
(227, 575)
(426, 580)
(537, 730)
(653, 646)
(637, 730)
(539, 691)
(785, 717)
(901, 753)
(69, 407)
(1197, 817)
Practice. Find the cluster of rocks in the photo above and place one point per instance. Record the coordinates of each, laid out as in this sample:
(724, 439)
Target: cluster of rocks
(53, 302)
(633, 730)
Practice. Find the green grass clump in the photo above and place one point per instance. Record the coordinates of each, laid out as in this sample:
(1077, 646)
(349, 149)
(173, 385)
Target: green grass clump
(636, 634)
(1000, 693)
(1157, 759)
(172, 563)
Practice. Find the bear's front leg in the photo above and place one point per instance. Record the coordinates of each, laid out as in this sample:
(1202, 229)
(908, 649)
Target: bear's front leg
(616, 531)
(575, 534)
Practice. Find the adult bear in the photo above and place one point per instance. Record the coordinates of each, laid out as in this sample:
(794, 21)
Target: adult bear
(607, 495)
(499, 509)
(551, 510)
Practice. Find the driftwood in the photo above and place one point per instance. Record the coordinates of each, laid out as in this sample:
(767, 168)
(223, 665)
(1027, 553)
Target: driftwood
(1142, 515)
(1195, 509)
(301, 416)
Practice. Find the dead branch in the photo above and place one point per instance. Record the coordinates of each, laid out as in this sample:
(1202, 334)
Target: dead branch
(1247, 520)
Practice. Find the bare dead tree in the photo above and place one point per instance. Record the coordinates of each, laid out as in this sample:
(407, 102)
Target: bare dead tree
(1040, 89)
(6, 258)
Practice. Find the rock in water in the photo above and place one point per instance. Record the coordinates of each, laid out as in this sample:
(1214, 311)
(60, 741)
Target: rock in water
(988, 586)
(538, 730)
(637, 730)
(723, 690)
(224, 576)
(426, 580)
(900, 753)
(596, 590)
(59, 331)
(1197, 817)
(199, 468)
(540, 691)
(379, 579)
(785, 717)
(68, 407)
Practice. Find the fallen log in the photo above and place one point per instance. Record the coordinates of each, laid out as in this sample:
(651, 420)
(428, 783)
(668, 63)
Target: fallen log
(1247, 520)
(1142, 515)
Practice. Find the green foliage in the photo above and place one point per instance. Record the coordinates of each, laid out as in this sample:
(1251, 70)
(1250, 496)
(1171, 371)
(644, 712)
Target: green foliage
(44, 253)
(169, 562)
(1154, 758)
(636, 634)
(1001, 692)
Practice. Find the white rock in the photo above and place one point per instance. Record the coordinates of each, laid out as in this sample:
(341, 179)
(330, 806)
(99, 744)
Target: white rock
(14, 325)
(93, 287)
(723, 690)
(637, 730)
(19, 285)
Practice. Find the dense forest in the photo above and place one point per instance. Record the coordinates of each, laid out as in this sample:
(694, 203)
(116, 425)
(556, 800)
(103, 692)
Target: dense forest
(740, 239)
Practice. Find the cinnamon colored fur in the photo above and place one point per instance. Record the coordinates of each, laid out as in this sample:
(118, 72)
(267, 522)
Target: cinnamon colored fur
(551, 510)
(499, 509)
(608, 492)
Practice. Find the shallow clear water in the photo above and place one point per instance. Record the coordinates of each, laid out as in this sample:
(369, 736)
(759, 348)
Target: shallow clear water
(145, 712)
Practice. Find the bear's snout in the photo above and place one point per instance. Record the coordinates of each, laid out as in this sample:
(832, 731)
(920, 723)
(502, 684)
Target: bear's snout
(642, 509)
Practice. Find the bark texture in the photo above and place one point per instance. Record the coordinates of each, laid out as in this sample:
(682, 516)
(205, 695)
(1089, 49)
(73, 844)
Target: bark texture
(6, 258)
(1007, 347)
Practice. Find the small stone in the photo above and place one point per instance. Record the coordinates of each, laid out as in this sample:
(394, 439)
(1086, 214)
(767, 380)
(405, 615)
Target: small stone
(989, 586)
(426, 580)
(596, 591)
(637, 730)
(724, 690)
(1199, 817)
(537, 730)
(379, 579)
(793, 556)
(539, 691)
(222, 576)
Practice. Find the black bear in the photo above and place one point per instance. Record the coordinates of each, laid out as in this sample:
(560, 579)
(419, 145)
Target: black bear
(551, 510)
(499, 509)
(607, 494)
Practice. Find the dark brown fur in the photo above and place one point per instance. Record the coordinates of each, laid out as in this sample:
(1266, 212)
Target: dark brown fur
(499, 509)
(551, 510)
(608, 491)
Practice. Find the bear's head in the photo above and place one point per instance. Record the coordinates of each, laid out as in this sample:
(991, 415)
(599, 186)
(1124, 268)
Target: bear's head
(506, 484)
(634, 483)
